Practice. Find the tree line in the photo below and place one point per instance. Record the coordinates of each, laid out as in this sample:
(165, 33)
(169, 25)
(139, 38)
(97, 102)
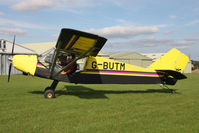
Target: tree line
(195, 64)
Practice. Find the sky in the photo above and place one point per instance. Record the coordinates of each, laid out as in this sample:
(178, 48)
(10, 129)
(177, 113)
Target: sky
(143, 26)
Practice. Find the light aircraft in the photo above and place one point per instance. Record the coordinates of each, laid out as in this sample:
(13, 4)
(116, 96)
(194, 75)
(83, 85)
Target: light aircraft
(97, 70)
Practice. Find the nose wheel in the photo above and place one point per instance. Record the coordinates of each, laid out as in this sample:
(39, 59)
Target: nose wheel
(49, 92)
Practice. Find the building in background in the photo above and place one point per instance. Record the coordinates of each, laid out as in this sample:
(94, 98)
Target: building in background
(5, 54)
(153, 56)
(39, 48)
(131, 58)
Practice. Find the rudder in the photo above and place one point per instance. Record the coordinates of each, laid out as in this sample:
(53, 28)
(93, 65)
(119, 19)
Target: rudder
(173, 60)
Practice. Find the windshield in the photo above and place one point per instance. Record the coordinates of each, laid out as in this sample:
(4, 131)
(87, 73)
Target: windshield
(46, 59)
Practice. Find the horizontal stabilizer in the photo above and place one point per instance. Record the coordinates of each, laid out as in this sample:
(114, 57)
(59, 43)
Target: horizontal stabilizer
(175, 74)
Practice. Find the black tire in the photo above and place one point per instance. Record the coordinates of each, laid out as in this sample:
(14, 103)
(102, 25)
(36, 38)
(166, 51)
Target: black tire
(49, 93)
(173, 91)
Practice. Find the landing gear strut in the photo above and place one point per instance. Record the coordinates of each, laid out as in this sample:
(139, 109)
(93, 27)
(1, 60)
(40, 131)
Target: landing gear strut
(49, 92)
(166, 87)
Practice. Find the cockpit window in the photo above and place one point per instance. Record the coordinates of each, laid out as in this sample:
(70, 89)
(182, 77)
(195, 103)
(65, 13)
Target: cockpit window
(46, 59)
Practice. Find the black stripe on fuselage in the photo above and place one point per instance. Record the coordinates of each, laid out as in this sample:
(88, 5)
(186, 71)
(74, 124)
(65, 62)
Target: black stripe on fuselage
(104, 79)
(112, 79)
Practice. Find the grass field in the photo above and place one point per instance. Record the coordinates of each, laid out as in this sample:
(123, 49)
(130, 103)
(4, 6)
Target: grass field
(98, 108)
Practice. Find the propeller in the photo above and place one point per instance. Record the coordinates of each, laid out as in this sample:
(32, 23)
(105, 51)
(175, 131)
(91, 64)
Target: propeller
(10, 66)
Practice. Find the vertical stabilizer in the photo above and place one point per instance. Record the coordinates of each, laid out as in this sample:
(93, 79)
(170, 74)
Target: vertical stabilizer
(173, 60)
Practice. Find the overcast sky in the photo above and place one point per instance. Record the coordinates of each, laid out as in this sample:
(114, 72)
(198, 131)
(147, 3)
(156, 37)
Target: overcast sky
(143, 26)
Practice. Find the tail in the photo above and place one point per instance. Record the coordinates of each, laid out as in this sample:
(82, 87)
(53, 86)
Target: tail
(172, 64)
(173, 60)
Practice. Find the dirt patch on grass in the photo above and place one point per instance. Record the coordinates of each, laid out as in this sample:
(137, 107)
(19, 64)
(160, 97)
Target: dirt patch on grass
(196, 71)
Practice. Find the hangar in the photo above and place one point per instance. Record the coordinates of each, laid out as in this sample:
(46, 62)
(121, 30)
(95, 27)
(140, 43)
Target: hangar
(131, 58)
(40, 47)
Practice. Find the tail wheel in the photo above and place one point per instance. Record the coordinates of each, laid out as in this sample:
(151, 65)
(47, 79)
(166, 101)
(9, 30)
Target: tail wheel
(49, 93)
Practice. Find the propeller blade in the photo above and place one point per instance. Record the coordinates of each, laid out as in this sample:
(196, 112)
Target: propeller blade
(9, 73)
(13, 45)
(10, 66)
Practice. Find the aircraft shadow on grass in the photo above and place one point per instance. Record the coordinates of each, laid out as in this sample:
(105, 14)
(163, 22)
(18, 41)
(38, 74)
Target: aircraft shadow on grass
(88, 93)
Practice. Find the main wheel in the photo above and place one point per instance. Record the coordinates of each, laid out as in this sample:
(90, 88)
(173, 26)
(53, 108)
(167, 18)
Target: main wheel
(173, 91)
(49, 93)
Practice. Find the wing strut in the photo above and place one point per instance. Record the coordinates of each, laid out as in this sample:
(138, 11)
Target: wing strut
(68, 65)
(54, 58)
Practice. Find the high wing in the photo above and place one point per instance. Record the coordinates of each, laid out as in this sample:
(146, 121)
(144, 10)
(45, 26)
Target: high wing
(78, 42)
(82, 44)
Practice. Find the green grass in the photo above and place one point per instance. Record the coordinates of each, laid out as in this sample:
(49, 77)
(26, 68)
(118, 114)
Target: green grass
(98, 108)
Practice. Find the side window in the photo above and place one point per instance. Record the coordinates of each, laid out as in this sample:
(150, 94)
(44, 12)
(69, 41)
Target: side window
(4, 44)
(0, 44)
(48, 58)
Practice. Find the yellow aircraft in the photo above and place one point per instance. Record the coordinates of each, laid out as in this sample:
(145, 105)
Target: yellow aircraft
(97, 70)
